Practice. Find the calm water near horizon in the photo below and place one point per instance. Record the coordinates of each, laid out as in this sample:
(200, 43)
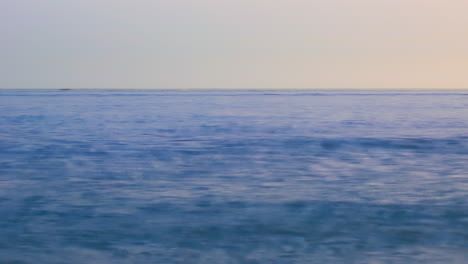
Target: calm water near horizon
(233, 176)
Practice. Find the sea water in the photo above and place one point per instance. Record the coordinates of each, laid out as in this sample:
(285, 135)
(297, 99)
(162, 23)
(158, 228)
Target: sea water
(154, 176)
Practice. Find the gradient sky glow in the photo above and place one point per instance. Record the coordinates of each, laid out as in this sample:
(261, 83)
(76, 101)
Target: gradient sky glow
(233, 44)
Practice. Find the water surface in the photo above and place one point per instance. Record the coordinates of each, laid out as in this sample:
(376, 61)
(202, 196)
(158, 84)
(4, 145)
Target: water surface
(141, 176)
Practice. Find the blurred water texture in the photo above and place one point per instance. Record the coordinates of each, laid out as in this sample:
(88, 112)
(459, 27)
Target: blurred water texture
(143, 176)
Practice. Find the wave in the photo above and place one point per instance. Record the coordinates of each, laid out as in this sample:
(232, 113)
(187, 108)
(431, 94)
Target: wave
(239, 232)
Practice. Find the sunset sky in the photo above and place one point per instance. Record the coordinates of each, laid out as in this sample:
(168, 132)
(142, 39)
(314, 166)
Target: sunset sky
(233, 44)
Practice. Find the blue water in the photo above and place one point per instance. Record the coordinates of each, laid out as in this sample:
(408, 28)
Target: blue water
(135, 176)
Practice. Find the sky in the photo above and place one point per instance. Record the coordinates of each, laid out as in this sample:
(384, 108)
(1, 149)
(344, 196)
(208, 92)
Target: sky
(254, 44)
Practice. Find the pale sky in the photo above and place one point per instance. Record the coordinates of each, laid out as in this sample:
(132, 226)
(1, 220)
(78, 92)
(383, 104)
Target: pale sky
(233, 44)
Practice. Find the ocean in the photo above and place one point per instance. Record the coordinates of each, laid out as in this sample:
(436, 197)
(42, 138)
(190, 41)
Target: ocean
(233, 176)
